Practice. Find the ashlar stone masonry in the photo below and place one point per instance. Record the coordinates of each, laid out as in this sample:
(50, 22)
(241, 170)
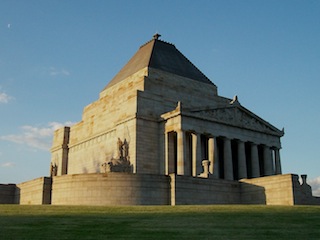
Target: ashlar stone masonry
(161, 134)
(171, 119)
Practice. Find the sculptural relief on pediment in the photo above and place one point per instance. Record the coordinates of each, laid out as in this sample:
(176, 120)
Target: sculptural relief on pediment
(237, 117)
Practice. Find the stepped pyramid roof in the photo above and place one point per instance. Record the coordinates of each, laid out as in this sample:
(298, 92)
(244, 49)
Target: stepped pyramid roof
(158, 54)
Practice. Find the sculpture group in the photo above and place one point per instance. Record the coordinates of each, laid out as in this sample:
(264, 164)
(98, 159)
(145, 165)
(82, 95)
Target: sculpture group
(122, 162)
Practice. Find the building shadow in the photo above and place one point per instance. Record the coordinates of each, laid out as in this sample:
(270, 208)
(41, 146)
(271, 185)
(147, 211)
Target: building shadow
(252, 194)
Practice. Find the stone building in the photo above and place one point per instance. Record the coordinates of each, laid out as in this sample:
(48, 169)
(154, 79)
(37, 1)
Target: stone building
(170, 117)
(160, 134)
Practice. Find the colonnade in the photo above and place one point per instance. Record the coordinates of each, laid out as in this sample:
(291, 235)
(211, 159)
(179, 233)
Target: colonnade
(230, 159)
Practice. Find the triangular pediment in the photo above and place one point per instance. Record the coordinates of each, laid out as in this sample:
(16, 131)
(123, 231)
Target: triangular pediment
(239, 116)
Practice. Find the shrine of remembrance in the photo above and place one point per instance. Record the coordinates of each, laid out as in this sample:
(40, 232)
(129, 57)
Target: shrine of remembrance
(160, 134)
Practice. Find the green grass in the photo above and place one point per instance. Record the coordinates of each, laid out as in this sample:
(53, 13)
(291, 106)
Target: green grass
(160, 222)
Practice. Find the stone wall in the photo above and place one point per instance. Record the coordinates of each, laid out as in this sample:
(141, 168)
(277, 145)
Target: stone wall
(191, 190)
(173, 88)
(7, 193)
(271, 190)
(110, 189)
(93, 140)
(148, 189)
(36, 191)
(148, 150)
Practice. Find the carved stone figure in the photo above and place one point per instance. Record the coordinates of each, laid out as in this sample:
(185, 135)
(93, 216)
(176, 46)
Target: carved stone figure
(125, 149)
(120, 148)
(53, 170)
(121, 163)
(104, 167)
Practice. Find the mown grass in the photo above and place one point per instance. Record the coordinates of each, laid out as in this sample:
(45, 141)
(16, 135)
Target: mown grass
(159, 222)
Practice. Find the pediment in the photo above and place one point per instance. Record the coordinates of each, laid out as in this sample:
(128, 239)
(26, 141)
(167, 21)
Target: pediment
(240, 117)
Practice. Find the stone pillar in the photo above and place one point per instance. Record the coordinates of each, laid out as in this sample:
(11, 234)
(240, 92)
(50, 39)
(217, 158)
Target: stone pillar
(267, 161)
(170, 156)
(62, 136)
(277, 161)
(255, 161)
(211, 153)
(188, 156)
(213, 157)
(242, 164)
(227, 153)
(181, 152)
(162, 154)
(216, 168)
(166, 147)
(196, 154)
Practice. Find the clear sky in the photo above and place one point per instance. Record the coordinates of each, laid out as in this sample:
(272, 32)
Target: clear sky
(56, 56)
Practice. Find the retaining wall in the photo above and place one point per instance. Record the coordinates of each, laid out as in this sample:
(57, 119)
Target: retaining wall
(36, 191)
(194, 190)
(111, 189)
(7, 193)
(274, 190)
(148, 189)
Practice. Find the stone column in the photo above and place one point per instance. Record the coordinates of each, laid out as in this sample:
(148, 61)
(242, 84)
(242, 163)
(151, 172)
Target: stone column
(216, 168)
(196, 154)
(213, 157)
(162, 154)
(255, 161)
(242, 164)
(227, 153)
(166, 147)
(211, 153)
(267, 161)
(170, 156)
(181, 152)
(188, 156)
(277, 161)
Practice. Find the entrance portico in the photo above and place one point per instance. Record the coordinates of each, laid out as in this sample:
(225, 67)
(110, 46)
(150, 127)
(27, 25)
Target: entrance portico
(232, 153)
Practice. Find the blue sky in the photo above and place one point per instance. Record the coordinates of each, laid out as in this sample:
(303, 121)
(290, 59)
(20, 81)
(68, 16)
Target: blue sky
(56, 56)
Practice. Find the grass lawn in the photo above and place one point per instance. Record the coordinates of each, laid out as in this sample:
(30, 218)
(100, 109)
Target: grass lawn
(159, 222)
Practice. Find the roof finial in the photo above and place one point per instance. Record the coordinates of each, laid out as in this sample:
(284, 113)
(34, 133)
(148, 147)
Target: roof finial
(156, 36)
